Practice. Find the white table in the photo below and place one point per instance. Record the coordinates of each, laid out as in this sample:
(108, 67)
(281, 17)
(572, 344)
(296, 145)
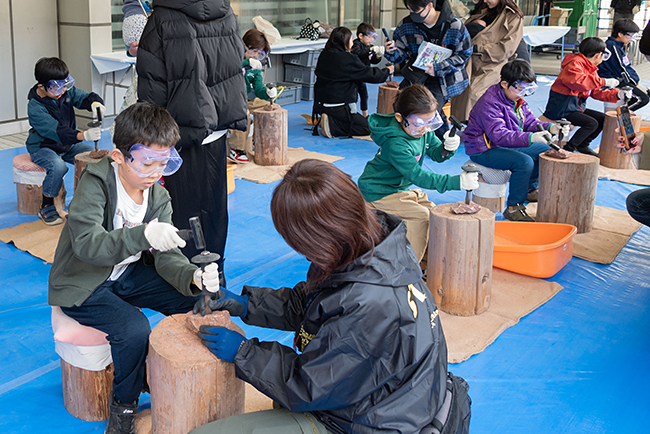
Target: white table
(293, 46)
(107, 64)
(544, 35)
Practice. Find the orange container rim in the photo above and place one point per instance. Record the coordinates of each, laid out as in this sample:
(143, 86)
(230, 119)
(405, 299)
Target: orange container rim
(532, 248)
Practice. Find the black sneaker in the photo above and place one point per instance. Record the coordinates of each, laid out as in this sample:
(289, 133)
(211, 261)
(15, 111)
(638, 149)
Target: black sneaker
(50, 215)
(121, 419)
(586, 150)
(517, 213)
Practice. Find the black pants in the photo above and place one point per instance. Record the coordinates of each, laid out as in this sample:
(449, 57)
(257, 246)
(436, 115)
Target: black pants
(362, 89)
(590, 123)
(638, 205)
(344, 123)
(639, 99)
(200, 188)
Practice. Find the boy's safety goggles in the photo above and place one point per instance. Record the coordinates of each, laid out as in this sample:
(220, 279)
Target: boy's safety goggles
(146, 161)
(372, 36)
(417, 126)
(257, 53)
(606, 55)
(57, 87)
(521, 88)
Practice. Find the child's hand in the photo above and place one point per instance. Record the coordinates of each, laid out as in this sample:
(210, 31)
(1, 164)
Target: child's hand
(255, 64)
(389, 46)
(469, 180)
(451, 143)
(208, 279)
(272, 92)
(97, 105)
(163, 236)
(391, 68)
(378, 50)
(611, 83)
(624, 95)
(92, 134)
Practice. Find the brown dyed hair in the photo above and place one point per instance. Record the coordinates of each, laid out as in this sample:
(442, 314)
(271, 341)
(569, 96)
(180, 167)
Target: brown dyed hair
(320, 213)
(254, 39)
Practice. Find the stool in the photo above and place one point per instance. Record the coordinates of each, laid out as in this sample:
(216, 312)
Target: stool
(86, 367)
(270, 135)
(567, 190)
(80, 162)
(492, 186)
(609, 154)
(459, 266)
(28, 177)
(386, 97)
(189, 385)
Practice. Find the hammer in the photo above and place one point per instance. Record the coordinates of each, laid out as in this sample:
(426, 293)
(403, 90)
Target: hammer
(562, 123)
(97, 123)
(455, 127)
(548, 140)
(469, 167)
(205, 257)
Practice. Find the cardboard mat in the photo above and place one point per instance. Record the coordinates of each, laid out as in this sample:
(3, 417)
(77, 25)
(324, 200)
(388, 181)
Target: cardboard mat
(629, 176)
(35, 238)
(610, 232)
(513, 296)
(265, 174)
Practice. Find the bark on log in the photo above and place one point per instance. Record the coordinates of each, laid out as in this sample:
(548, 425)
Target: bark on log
(86, 393)
(609, 154)
(385, 99)
(270, 135)
(189, 385)
(459, 270)
(567, 190)
(29, 198)
(80, 163)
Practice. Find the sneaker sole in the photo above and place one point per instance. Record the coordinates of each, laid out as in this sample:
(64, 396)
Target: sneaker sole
(52, 223)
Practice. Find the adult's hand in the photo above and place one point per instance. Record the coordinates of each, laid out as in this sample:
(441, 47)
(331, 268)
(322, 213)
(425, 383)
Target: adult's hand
(133, 48)
(389, 46)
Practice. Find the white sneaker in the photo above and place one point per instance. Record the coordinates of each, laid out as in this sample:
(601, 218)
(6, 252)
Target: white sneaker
(237, 156)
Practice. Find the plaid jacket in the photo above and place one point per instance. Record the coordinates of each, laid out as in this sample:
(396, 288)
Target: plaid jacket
(451, 71)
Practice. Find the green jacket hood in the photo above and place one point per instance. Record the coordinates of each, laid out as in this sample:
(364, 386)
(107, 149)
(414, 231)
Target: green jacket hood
(385, 127)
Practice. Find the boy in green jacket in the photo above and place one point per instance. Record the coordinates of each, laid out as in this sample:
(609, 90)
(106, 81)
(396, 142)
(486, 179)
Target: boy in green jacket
(404, 138)
(118, 251)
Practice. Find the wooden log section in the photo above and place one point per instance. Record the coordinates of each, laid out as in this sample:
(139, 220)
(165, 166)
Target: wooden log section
(86, 393)
(459, 269)
(80, 163)
(386, 97)
(189, 385)
(567, 190)
(270, 135)
(494, 204)
(609, 154)
(29, 198)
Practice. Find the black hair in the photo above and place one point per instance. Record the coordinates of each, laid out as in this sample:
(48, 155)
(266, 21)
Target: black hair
(415, 5)
(364, 28)
(589, 47)
(517, 70)
(624, 25)
(500, 7)
(340, 38)
(414, 99)
(145, 123)
(50, 68)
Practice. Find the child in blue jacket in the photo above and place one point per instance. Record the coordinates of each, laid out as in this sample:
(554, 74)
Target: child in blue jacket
(502, 133)
(53, 138)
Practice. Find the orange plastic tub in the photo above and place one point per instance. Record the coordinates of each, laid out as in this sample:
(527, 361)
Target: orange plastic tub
(534, 249)
(230, 178)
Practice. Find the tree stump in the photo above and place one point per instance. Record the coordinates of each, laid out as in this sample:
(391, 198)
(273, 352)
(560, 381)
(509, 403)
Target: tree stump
(270, 135)
(86, 393)
(189, 385)
(490, 196)
(459, 270)
(80, 163)
(386, 97)
(567, 190)
(29, 198)
(609, 154)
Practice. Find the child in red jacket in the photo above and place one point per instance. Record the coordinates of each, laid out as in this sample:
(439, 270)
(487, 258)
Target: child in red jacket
(577, 81)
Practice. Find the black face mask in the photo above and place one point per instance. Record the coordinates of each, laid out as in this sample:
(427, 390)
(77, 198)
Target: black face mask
(417, 18)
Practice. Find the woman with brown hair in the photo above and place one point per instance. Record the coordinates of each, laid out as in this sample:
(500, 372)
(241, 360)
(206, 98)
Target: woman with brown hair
(369, 352)
(496, 27)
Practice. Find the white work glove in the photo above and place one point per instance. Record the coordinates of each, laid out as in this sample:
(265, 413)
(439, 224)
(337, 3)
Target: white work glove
(611, 83)
(624, 95)
(163, 236)
(450, 143)
(92, 134)
(554, 129)
(469, 180)
(541, 137)
(95, 105)
(635, 10)
(378, 50)
(255, 64)
(272, 92)
(208, 279)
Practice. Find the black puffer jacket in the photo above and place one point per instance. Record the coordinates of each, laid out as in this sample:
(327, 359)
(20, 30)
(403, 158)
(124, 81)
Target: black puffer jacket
(374, 357)
(189, 61)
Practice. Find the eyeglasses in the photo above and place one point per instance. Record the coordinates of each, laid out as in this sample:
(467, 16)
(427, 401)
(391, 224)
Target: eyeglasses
(521, 88)
(606, 54)
(418, 126)
(57, 87)
(257, 53)
(146, 161)
(372, 36)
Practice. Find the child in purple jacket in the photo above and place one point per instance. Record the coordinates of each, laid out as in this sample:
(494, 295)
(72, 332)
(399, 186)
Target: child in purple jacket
(502, 133)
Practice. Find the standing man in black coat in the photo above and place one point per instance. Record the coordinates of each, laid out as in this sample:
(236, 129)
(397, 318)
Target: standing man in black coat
(189, 61)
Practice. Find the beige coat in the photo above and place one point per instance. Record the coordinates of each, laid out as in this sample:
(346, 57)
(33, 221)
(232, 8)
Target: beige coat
(493, 47)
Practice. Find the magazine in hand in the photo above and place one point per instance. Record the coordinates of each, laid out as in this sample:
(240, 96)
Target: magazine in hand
(429, 54)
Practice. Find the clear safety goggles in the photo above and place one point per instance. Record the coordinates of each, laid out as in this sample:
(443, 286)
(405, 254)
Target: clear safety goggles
(521, 88)
(146, 161)
(630, 35)
(257, 53)
(57, 87)
(372, 36)
(606, 55)
(417, 126)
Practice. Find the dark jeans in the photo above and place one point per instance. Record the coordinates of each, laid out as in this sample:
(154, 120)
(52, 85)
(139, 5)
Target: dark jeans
(362, 89)
(55, 167)
(639, 99)
(638, 205)
(344, 123)
(590, 123)
(200, 188)
(522, 162)
(113, 309)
